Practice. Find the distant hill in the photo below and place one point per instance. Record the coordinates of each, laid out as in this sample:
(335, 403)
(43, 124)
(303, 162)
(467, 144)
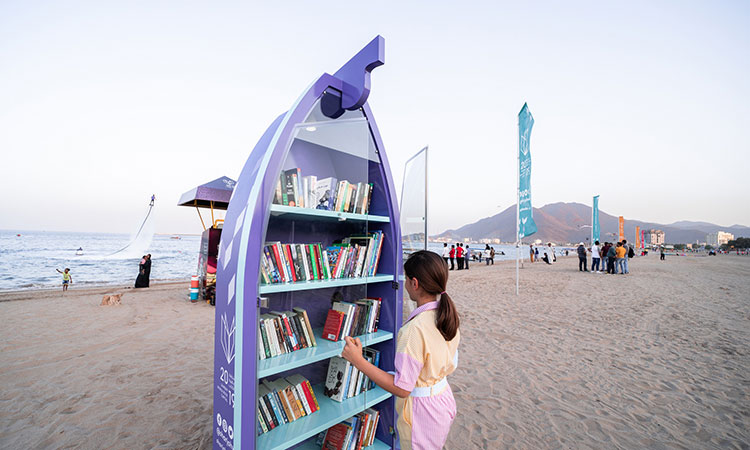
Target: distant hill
(560, 222)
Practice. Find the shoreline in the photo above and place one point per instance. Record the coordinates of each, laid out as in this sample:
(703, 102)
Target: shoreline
(48, 292)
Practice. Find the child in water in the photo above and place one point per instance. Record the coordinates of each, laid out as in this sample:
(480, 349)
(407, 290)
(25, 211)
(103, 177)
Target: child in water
(426, 353)
(67, 278)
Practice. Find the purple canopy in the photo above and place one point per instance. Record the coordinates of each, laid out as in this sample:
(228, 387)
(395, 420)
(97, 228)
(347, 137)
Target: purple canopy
(218, 192)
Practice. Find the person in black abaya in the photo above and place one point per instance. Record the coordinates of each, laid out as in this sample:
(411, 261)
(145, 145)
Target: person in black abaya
(144, 272)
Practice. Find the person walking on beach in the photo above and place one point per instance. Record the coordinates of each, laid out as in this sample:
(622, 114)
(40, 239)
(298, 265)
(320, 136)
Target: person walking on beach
(536, 254)
(452, 255)
(487, 254)
(531, 252)
(628, 251)
(446, 253)
(595, 257)
(467, 256)
(581, 258)
(67, 278)
(426, 353)
(492, 255)
(144, 272)
(661, 253)
(460, 256)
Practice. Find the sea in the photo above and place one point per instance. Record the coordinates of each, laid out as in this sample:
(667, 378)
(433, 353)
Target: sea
(31, 257)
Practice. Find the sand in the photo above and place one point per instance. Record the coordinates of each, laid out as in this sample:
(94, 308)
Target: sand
(655, 359)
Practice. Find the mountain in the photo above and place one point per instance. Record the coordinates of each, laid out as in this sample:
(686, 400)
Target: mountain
(561, 222)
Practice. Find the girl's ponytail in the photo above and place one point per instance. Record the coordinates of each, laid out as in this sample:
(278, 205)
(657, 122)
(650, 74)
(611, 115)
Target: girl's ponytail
(447, 317)
(432, 272)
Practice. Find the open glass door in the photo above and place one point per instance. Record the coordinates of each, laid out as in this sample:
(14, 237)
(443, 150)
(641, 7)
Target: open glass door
(414, 204)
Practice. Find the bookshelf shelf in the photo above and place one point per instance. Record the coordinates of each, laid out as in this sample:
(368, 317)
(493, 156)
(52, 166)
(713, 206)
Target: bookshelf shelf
(322, 284)
(377, 445)
(324, 350)
(322, 214)
(330, 414)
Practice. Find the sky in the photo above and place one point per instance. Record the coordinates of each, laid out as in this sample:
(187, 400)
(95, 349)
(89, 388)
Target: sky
(646, 104)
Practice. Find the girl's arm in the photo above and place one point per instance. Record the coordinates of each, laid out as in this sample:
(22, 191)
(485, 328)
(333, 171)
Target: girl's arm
(58, 270)
(353, 353)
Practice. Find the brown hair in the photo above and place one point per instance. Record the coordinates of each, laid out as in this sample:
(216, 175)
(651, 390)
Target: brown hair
(432, 272)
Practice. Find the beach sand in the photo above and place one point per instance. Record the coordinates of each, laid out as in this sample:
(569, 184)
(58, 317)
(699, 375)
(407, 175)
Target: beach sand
(654, 359)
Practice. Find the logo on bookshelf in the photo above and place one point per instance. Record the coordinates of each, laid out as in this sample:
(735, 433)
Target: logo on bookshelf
(227, 338)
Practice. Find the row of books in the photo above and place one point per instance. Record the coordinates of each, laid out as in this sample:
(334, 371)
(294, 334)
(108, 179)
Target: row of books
(343, 380)
(293, 189)
(284, 400)
(354, 433)
(284, 332)
(352, 319)
(354, 256)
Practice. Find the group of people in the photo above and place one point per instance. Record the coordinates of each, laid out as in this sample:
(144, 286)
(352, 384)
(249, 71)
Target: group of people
(548, 254)
(457, 256)
(609, 258)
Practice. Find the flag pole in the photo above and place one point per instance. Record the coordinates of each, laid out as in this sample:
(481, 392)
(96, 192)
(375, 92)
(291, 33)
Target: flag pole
(518, 196)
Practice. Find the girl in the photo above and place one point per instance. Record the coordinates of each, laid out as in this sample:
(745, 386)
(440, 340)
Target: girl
(426, 353)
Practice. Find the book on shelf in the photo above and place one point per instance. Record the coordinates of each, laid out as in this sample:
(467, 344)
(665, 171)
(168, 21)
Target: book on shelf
(282, 332)
(284, 400)
(355, 256)
(343, 380)
(352, 318)
(354, 433)
(294, 188)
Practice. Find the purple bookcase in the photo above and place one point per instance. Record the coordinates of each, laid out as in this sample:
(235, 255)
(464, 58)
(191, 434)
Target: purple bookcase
(329, 132)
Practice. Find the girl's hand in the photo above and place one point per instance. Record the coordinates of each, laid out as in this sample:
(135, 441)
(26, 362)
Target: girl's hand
(353, 350)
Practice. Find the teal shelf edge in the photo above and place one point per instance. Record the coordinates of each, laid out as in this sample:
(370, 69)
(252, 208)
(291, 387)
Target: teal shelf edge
(322, 284)
(329, 414)
(377, 445)
(324, 350)
(281, 210)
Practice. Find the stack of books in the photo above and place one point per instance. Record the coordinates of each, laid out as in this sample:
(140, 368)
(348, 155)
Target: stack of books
(352, 319)
(344, 380)
(293, 189)
(284, 400)
(354, 256)
(355, 433)
(284, 332)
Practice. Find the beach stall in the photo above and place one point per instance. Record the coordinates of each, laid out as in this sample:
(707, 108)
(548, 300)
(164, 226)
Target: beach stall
(214, 196)
(313, 223)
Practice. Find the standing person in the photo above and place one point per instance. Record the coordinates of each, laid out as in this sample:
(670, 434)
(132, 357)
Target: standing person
(531, 252)
(452, 255)
(67, 278)
(581, 258)
(622, 254)
(611, 256)
(595, 257)
(460, 255)
(536, 254)
(661, 253)
(551, 253)
(628, 251)
(446, 253)
(426, 353)
(144, 272)
(492, 255)
(467, 256)
(487, 254)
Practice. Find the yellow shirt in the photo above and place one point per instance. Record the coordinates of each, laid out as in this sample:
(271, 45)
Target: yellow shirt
(621, 252)
(66, 276)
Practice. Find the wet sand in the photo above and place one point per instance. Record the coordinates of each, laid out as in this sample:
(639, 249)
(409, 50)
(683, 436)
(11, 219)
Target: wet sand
(655, 359)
